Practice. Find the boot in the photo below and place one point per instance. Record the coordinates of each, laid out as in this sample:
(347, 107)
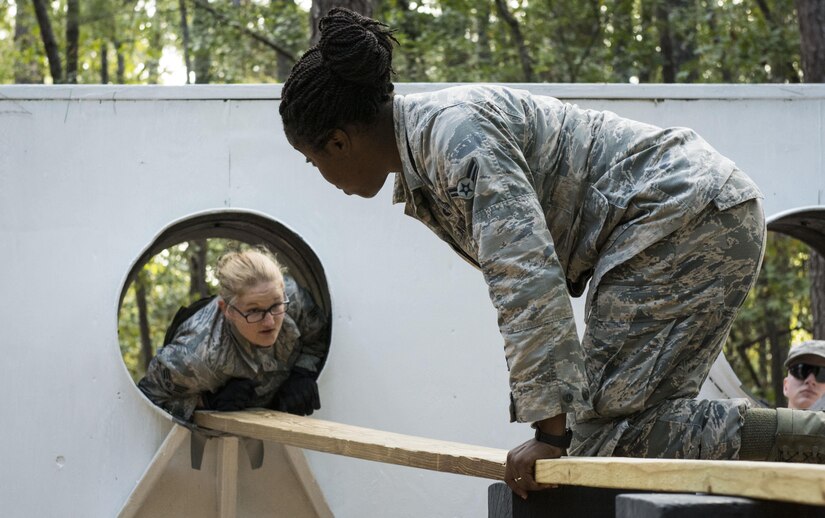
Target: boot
(783, 435)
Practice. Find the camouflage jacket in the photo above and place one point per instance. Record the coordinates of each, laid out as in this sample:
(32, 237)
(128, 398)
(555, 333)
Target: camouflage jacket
(544, 196)
(206, 352)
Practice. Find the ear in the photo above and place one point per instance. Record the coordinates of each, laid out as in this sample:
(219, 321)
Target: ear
(785, 386)
(222, 307)
(339, 143)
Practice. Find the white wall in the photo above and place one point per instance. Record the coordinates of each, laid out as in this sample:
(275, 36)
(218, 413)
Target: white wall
(90, 175)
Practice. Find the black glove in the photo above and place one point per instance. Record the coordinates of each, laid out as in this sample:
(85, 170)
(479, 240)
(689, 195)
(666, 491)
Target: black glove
(299, 393)
(235, 395)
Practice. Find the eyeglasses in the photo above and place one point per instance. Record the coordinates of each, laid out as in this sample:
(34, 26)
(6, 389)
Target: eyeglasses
(801, 371)
(257, 315)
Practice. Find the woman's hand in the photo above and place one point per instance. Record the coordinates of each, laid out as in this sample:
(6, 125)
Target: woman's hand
(235, 395)
(298, 395)
(519, 473)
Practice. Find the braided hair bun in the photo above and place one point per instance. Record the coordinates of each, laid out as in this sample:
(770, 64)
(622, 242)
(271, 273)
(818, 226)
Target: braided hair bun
(356, 48)
(344, 79)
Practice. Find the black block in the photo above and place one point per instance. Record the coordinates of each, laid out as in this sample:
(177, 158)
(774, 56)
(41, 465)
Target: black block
(574, 501)
(672, 505)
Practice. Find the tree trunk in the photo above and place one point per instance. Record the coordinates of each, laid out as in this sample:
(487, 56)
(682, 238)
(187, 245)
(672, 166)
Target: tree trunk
(120, 73)
(677, 38)
(484, 49)
(49, 41)
(622, 21)
(782, 69)
(518, 39)
(26, 66)
(779, 345)
(152, 62)
(415, 70)
(283, 67)
(646, 11)
(746, 363)
(320, 8)
(104, 63)
(198, 287)
(816, 276)
(595, 34)
(283, 64)
(72, 39)
(143, 321)
(762, 355)
(184, 30)
(727, 76)
(812, 31)
(665, 42)
(202, 60)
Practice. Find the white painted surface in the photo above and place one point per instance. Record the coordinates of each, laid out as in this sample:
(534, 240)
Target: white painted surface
(90, 175)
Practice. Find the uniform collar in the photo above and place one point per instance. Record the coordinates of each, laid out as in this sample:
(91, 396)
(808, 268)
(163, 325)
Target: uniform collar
(407, 180)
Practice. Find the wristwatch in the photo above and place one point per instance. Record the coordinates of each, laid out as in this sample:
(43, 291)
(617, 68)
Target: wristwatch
(559, 441)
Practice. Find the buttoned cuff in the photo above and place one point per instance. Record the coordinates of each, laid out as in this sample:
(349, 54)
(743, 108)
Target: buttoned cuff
(536, 401)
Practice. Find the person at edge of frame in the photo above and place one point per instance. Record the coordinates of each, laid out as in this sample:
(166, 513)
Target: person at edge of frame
(804, 386)
(542, 197)
(259, 343)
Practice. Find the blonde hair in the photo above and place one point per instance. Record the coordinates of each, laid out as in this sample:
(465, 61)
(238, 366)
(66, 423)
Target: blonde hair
(239, 270)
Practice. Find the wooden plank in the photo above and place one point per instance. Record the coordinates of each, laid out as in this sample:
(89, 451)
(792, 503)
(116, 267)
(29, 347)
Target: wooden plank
(361, 443)
(153, 472)
(227, 477)
(788, 482)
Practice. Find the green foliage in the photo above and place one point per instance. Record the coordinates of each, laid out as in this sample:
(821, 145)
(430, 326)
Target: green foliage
(238, 58)
(147, 37)
(442, 40)
(167, 277)
(7, 52)
(780, 301)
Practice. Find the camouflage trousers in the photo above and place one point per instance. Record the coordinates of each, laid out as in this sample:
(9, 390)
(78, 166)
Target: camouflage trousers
(654, 328)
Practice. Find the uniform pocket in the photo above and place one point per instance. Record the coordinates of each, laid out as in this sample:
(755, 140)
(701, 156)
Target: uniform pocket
(644, 336)
(588, 233)
(602, 344)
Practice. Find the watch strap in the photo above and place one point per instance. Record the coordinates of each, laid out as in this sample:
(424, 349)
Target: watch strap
(559, 441)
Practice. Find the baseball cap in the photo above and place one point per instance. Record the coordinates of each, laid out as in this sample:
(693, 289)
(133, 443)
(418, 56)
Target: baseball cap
(815, 347)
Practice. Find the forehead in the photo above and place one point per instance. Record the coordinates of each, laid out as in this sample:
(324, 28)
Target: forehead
(264, 293)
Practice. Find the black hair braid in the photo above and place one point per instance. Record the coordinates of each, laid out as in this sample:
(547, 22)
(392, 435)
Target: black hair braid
(344, 79)
(357, 48)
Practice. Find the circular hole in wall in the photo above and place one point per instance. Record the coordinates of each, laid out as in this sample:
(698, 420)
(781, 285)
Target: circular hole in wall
(785, 307)
(178, 268)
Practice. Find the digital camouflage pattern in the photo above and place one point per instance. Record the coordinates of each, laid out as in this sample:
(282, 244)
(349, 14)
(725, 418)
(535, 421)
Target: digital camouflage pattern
(657, 323)
(543, 197)
(206, 352)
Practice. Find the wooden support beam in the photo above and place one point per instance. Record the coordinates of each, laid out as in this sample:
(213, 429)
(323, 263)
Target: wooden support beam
(300, 466)
(154, 470)
(361, 443)
(227, 477)
(787, 482)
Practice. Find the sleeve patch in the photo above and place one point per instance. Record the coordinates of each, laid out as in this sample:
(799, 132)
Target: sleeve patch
(465, 188)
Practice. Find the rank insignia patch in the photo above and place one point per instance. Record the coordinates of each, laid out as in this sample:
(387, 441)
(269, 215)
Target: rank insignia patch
(466, 187)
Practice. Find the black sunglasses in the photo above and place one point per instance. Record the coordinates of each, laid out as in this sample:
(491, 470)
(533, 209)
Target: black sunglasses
(801, 371)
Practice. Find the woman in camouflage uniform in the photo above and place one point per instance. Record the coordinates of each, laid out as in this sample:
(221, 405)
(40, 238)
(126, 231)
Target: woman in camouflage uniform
(260, 343)
(544, 197)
